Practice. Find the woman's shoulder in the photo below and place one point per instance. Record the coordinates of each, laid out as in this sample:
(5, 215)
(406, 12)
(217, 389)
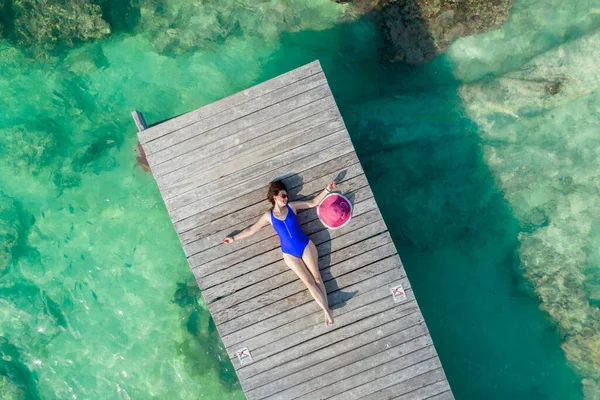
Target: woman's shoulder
(267, 215)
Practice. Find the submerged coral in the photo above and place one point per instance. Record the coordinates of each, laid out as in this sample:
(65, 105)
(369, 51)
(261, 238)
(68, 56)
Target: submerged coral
(173, 26)
(13, 370)
(176, 26)
(9, 229)
(201, 326)
(540, 126)
(10, 391)
(28, 149)
(43, 24)
(418, 31)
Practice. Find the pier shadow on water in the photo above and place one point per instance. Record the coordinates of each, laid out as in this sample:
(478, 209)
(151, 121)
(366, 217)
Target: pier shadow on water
(200, 325)
(452, 226)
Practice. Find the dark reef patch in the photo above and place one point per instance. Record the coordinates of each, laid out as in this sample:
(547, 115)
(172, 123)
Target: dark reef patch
(13, 368)
(200, 353)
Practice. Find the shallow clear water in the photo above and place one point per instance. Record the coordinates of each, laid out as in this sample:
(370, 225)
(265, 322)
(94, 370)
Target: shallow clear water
(485, 169)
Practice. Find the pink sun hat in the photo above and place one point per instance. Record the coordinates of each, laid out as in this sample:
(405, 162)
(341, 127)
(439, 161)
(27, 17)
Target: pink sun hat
(335, 211)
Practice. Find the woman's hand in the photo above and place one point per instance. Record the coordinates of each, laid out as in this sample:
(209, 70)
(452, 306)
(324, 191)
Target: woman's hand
(228, 239)
(331, 186)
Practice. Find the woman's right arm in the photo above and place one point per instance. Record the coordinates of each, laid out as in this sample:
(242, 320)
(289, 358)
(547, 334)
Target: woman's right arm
(251, 230)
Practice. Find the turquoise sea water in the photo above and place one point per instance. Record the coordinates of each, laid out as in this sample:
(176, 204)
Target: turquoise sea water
(484, 163)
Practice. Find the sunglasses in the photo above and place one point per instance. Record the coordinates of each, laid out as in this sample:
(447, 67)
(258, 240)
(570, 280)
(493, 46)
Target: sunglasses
(283, 195)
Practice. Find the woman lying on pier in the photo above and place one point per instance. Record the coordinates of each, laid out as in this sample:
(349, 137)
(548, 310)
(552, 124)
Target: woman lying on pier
(299, 252)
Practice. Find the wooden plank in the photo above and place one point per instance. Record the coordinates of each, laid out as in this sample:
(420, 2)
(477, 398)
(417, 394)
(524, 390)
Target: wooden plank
(314, 315)
(394, 383)
(447, 395)
(284, 285)
(343, 366)
(394, 360)
(249, 179)
(218, 259)
(333, 350)
(295, 334)
(258, 182)
(268, 241)
(419, 387)
(221, 284)
(216, 179)
(245, 301)
(249, 272)
(304, 299)
(294, 183)
(223, 147)
(202, 237)
(266, 106)
(285, 312)
(231, 101)
(260, 372)
(211, 247)
(139, 120)
(314, 338)
(190, 179)
(218, 129)
(431, 390)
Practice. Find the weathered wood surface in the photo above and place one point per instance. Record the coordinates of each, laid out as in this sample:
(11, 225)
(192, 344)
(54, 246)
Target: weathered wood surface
(212, 166)
(139, 120)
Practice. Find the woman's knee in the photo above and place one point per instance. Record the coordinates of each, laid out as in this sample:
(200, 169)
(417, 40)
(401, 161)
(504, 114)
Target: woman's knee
(314, 288)
(309, 280)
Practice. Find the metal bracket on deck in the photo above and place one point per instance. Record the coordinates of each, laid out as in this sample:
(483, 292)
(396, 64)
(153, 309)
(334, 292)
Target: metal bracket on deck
(398, 294)
(244, 356)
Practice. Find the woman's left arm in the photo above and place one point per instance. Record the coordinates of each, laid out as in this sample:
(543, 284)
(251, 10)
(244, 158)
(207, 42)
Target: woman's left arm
(300, 205)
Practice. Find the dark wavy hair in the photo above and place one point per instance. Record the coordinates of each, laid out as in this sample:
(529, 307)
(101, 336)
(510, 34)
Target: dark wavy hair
(274, 188)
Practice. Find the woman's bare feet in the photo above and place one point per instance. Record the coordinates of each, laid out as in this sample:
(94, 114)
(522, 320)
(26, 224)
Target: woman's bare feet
(328, 318)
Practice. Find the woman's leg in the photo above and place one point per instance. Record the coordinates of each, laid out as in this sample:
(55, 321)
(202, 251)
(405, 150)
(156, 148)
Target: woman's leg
(311, 259)
(305, 276)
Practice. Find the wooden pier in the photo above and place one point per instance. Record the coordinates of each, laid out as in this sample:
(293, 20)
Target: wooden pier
(212, 166)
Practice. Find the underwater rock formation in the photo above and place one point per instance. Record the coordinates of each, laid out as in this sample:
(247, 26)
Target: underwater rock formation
(539, 125)
(418, 31)
(178, 26)
(17, 382)
(201, 326)
(43, 24)
(28, 149)
(3, 13)
(9, 229)
(172, 26)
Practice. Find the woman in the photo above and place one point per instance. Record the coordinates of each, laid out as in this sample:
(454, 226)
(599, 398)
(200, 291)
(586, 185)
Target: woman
(299, 252)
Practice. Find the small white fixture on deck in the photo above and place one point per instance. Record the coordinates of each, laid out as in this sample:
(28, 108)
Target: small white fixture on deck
(244, 356)
(398, 293)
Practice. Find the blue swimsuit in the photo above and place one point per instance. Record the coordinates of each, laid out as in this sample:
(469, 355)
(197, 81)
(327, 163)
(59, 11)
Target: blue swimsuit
(293, 240)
